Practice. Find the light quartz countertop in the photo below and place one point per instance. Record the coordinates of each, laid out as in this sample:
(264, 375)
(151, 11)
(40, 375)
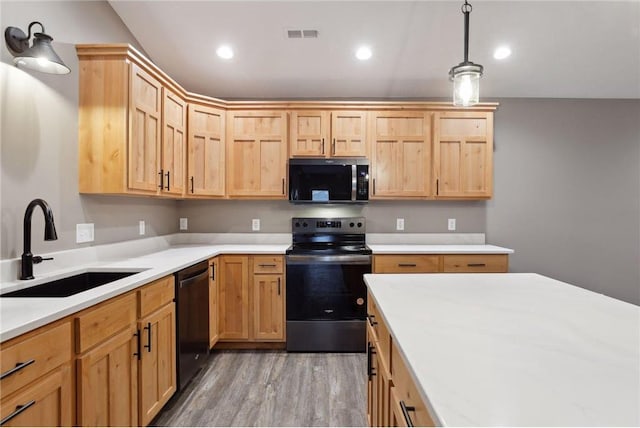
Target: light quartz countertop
(157, 257)
(514, 349)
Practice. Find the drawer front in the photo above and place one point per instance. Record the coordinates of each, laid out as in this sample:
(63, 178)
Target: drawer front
(406, 393)
(25, 360)
(268, 264)
(156, 295)
(405, 263)
(475, 263)
(97, 324)
(46, 402)
(378, 331)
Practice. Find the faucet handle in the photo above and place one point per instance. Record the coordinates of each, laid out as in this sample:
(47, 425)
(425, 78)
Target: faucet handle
(39, 259)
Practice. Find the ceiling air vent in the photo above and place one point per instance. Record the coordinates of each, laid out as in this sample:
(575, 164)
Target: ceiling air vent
(302, 34)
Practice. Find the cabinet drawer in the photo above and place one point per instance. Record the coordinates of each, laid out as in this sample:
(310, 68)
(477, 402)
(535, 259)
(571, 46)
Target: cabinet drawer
(405, 393)
(405, 263)
(97, 324)
(155, 295)
(46, 402)
(37, 354)
(475, 263)
(267, 264)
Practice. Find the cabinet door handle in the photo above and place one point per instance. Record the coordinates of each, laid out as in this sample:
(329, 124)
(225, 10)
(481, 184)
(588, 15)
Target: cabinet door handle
(476, 264)
(374, 186)
(161, 174)
(283, 186)
(334, 147)
(19, 409)
(405, 412)
(192, 184)
(370, 351)
(168, 180)
(323, 146)
(437, 187)
(148, 328)
(278, 286)
(17, 368)
(371, 321)
(213, 271)
(407, 265)
(137, 336)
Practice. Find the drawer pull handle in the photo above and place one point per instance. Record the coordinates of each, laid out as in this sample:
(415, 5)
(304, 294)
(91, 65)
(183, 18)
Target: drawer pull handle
(267, 265)
(148, 345)
(17, 368)
(405, 412)
(371, 321)
(407, 265)
(19, 409)
(476, 264)
(137, 336)
(370, 351)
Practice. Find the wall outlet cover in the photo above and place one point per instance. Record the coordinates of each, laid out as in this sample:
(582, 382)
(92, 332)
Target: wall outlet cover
(399, 224)
(84, 232)
(451, 225)
(255, 224)
(141, 227)
(184, 224)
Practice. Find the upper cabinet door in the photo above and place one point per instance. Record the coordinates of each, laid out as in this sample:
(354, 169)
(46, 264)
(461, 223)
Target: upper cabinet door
(309, 133)
(144, 142)
(174, 143)
(257, 154)
(348, 134)
(206, 152)
(463, 155)
(401, 154)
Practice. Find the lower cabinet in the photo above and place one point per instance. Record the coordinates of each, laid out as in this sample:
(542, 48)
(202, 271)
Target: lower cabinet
(447, 263)
(251, 292)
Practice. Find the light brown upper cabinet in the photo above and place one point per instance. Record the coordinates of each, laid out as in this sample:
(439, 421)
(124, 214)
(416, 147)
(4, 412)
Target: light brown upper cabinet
(131, 131)
(400, 154)
(257, 154)
(463, 155)
(316, 133)
(206, 148)
(174, 149)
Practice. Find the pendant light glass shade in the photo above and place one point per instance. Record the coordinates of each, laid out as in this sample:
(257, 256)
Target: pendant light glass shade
(466, 75)
(40, 56)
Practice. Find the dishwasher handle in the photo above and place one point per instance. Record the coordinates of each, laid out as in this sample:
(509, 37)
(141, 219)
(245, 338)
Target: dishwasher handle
(194, 279)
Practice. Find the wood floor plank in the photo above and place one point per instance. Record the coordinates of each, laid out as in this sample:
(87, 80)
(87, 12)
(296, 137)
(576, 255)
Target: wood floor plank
(273, 388)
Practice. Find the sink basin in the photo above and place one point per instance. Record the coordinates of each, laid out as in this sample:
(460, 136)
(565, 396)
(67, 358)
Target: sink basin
(69, 286)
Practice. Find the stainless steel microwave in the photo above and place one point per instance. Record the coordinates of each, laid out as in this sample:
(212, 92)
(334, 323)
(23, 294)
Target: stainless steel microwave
(327, 181)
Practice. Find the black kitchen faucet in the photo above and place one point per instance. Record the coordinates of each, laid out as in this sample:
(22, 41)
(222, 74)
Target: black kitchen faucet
(50, 234)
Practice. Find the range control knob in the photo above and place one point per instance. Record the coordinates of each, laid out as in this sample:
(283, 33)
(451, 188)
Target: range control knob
(304, 224)
(297, 224)
(351, 224)
(359, 224)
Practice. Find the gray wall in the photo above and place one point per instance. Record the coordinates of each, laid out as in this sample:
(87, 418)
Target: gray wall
(567, 191)
(39, 136)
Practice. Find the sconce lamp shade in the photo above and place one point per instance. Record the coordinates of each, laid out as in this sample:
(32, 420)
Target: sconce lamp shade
(40, 56)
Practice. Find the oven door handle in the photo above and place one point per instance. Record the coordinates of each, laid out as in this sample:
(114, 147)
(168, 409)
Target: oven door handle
(295, 259)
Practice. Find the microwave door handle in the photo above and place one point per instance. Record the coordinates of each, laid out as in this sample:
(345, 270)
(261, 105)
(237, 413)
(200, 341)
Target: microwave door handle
(354, 181)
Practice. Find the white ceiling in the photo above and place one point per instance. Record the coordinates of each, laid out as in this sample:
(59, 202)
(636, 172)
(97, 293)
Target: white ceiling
(561, 49)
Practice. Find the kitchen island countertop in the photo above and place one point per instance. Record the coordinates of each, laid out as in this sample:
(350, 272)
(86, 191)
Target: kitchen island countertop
(514, 349)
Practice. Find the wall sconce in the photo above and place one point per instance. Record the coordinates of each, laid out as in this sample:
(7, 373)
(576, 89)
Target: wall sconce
(466, 75)
(40, 56)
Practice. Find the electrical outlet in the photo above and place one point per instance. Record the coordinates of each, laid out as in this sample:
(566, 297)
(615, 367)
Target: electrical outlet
(399, 224)
(184, 224)
(255, 224)
(84, 232)
(451, 225)
(141, 227)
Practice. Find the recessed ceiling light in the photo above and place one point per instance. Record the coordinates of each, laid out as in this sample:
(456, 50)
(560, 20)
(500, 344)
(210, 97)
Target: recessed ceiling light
(225, 52)
(363, 53)
(502, 52)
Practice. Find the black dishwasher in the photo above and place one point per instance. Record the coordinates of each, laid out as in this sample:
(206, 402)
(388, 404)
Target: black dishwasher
(192, 306)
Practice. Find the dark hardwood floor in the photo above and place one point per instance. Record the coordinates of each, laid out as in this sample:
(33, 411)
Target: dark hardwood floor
(273, 388)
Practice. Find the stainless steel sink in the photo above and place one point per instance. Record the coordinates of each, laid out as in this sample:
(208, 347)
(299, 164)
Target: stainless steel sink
(69, 286)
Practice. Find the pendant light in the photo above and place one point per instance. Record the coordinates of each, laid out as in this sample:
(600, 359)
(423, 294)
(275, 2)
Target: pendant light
(40, 56)
(466, 75)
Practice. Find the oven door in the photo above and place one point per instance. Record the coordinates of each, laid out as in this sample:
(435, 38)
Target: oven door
(327, 287)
